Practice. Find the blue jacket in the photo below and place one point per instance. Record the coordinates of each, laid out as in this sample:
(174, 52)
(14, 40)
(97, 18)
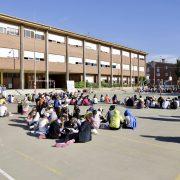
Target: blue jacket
(133, 122)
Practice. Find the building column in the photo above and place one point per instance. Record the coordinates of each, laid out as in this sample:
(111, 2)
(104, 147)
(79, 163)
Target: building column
(84, 64)
(22, 57)
(130, 69)
(47, 59)
(99, 66)
(111, 62)
(121, 69)
(138, 70)
(1, 78)
(67, 60)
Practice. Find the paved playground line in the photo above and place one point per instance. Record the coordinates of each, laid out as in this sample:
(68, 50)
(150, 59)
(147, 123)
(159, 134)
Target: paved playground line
(6, 175)
(27, 157)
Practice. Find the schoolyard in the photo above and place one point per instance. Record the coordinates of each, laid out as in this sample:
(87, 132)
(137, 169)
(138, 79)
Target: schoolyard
(150, 152)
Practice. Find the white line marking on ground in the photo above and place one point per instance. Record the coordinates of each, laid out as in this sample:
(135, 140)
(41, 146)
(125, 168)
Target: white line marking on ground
(6, 175)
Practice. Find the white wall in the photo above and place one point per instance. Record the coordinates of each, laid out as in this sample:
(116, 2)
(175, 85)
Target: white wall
(141, 57)
(6, 52)
(116, 52)
(35, 31)
(56, 58)
(74, 42)
(91, 61)
(56, 38)
(90, 79)
(141, 69)
(4, 25)
(118, 66)
(134, 68)
(89, 45)
(74, 60)
(105, 63)
(105, 49)
(30, 54)
(134, 55)
(125, 53)
(126, 67)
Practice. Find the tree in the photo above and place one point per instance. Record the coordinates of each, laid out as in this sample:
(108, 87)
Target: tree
(143, 80)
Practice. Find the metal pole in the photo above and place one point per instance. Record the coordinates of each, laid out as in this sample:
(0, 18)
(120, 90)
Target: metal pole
(35, 79)
(154, 74)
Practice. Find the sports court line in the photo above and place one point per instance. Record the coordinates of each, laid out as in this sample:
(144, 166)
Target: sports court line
(27, 157)
(6, 175)
(142, 142)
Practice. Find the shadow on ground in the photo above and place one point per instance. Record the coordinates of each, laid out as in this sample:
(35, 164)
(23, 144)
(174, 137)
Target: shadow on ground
(164, 138)
(168, 119)
(19, 125)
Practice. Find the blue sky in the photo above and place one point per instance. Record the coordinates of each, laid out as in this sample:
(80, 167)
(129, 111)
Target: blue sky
(150, 25)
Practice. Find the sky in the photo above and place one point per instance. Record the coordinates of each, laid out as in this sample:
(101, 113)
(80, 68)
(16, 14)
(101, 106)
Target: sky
(149, 25)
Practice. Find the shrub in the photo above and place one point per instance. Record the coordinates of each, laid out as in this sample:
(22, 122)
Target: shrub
(79, 85)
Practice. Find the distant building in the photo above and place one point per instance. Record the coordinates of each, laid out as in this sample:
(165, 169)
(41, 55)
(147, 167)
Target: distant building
(161, 73)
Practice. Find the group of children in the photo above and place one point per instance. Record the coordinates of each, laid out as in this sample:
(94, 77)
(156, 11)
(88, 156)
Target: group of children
(152, 102)
(51, 118)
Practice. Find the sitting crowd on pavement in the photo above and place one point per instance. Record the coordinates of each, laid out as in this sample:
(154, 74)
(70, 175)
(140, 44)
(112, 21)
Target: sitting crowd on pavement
(50, 116)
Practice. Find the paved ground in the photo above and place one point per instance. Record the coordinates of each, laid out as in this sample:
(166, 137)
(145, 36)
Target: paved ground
(151, 152)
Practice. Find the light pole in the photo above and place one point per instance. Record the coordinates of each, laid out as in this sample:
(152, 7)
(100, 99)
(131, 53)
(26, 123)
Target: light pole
(35, 79)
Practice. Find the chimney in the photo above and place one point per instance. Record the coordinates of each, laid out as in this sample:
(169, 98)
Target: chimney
(163, 60)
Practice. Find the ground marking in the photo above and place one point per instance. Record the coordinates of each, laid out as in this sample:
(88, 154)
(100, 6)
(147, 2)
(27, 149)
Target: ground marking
(27, 157)
(6, 175)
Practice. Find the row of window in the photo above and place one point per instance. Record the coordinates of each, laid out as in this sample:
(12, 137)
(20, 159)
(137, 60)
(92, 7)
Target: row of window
(29, 55)
(30, 33)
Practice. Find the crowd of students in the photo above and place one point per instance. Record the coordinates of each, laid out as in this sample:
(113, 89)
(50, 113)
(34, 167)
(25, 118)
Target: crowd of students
(50, 118)
(152, 102)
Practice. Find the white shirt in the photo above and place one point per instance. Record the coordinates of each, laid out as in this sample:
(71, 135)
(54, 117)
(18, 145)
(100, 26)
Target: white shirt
(3, 110)
(165, 104)
(95, 100)
(42, 125)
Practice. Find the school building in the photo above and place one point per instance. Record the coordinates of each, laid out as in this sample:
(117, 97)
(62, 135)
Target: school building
(33, 54)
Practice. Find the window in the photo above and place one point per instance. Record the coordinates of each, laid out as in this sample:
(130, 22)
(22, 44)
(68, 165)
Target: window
(90, 46)
(56, 38)
(90, 62)
(12, 31)
(158, 74)
(75, 60)
(3, 30)
(158, 70)
(141, 57)
(105, 64)
(115, 66)
(40, 37)
(134, 68)
(116, 52)
(9, 53)
(9, 29)
(134, 55)
(166, 67)
(148, 69)
(105, 49)
(126, 67)
(29, 55)
(141, 69)
(28, 33)
(125, 53)
(166, 74)
(56, 58)
(74, 42)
